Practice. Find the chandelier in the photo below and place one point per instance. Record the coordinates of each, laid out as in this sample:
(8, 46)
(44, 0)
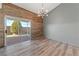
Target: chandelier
(43, 11)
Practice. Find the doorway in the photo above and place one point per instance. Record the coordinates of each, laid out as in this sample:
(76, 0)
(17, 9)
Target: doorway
(17, 30)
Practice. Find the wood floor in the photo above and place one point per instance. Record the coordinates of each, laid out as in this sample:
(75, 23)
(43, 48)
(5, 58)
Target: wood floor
(41, 47)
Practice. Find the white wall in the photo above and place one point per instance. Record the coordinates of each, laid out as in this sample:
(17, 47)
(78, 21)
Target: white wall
(62, 24)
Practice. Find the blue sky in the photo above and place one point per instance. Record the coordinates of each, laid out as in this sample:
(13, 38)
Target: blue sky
(23, 23)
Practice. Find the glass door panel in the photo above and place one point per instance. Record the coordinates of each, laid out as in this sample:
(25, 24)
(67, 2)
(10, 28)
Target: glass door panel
(26, 26)
(17, 30)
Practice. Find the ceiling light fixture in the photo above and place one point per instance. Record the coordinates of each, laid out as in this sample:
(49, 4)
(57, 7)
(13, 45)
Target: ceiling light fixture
(43, 11)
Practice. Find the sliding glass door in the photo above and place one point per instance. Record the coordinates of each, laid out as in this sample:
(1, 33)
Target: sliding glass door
(25, 27)
(17, 30)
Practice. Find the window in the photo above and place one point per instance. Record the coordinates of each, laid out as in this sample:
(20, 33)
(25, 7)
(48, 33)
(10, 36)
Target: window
(25, 24)
(8, 22)
(20, 27)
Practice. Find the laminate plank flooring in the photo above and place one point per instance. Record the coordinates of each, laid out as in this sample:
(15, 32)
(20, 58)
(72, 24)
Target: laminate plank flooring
(40, 47)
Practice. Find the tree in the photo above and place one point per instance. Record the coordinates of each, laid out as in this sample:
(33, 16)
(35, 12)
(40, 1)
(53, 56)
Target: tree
(16, 26)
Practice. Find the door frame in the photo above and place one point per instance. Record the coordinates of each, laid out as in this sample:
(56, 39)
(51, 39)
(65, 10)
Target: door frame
(14, 17)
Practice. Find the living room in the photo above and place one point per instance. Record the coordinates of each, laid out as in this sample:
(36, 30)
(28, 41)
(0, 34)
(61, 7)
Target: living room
(39, 29)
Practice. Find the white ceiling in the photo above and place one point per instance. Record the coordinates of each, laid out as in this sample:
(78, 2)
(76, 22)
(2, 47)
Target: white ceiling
(35, 6)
